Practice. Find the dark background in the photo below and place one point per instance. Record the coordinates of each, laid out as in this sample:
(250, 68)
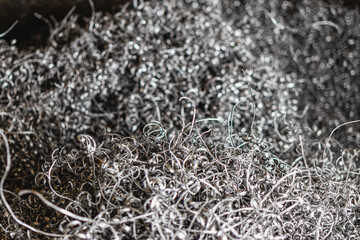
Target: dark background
(31, 31)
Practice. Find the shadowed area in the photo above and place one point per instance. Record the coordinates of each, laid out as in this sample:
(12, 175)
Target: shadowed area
(33, 32)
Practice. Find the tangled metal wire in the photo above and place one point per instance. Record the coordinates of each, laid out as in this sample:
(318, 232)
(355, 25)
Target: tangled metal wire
(187, 119)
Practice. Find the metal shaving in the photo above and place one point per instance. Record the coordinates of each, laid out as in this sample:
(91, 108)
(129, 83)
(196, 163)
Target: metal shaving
(185, 119)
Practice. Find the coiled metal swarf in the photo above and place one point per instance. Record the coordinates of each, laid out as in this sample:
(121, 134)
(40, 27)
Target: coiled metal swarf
(185, 119)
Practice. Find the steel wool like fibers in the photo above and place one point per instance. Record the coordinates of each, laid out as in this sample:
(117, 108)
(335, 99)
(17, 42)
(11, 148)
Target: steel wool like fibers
(185, 119)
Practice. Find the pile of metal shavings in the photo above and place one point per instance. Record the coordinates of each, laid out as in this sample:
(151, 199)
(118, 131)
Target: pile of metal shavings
(185, 119)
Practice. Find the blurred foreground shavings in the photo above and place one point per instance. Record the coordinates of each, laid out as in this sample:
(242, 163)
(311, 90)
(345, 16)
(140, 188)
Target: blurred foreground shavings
(187, 120)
